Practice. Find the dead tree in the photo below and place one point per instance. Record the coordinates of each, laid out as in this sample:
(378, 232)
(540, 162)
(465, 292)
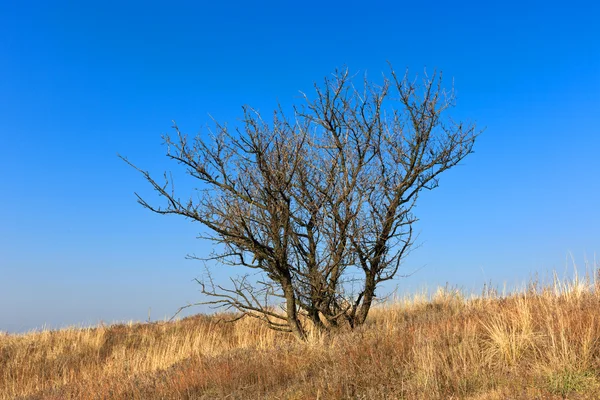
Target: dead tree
(320, 203)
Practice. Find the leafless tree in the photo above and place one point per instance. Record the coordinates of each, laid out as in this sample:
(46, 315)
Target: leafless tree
(320, 203)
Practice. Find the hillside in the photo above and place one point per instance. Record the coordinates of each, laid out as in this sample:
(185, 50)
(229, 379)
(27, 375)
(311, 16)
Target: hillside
(543, 343)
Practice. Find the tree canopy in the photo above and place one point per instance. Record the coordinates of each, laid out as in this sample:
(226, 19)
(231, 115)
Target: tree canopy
(319, 201)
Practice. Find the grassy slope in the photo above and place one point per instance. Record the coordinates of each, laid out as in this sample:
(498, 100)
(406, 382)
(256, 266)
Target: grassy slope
(543, 344)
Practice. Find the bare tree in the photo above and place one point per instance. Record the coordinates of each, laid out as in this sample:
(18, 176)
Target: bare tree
(320, 203)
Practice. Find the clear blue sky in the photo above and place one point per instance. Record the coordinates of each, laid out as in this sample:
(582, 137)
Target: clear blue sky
(79, 83)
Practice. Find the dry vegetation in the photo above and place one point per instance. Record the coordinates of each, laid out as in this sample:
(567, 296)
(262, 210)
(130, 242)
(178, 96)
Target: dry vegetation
(542, 343)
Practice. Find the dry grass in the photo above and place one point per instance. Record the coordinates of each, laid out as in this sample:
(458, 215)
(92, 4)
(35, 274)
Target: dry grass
(542, 343)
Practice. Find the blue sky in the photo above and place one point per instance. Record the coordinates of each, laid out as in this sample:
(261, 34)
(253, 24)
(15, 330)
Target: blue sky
(80, 83)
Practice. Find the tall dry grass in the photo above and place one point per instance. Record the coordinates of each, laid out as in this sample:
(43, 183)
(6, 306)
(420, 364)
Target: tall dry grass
(540, 343)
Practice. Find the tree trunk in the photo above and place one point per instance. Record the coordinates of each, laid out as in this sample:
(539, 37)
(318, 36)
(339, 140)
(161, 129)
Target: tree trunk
(368, 297)
(313, 315)
(290, 308)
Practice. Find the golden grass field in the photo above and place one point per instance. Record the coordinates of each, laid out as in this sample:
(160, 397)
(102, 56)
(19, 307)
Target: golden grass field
(541, 343)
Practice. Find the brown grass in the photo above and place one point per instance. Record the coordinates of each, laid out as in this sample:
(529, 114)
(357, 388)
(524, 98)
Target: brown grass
(537, 344)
